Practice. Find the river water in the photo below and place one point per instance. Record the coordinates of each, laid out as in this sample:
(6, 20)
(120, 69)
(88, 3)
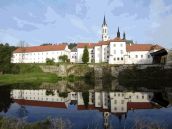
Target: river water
(91, 108)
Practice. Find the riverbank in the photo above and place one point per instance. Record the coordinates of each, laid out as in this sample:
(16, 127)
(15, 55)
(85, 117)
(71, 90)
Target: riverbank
(150, 77)
(28, 78)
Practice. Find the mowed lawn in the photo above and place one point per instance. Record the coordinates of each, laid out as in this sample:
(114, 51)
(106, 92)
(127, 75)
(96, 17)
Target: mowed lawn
(28, 78)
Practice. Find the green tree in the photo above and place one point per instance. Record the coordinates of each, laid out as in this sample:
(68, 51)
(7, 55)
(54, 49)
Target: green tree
(64, 58)
(50, 61)
(85, 56)
(5, 59)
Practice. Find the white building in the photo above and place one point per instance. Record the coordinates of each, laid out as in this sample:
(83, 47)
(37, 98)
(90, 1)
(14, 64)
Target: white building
(39, 54)
(73, 55)
(80, 51)
(118, 50)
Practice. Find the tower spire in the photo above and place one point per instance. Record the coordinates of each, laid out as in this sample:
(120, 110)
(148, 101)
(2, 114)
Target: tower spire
(105, 35)
(104, 21)
(124, 36)
(118, 33)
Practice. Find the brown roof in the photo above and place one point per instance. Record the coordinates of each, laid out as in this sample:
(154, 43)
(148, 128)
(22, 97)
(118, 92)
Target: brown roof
(142, 47)
(83, 107)
(40, 103)
(141, 105)
(117, 39)
(41, 48)
(88, 45)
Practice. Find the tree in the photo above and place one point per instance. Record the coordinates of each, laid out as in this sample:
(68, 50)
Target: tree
(5, 58)
(64, 58)
(22, 45)
(85, 56)
(50, 61)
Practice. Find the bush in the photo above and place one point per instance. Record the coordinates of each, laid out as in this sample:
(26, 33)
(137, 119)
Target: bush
(50, 61)
(64, 58)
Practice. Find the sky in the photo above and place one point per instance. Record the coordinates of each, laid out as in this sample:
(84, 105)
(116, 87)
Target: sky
(57, 21)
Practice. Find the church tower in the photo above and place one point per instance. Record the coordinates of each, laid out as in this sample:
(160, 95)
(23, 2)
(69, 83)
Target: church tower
(118, 33)
(105, 35)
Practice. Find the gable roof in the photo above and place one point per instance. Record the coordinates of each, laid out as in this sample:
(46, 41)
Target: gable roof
(41, 48)
(88, 45)
(40, 103)
(142, 47)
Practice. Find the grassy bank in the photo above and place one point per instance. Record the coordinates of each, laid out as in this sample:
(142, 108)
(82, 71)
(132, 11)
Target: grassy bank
(27, 78)
(28, 73)
(32, 74)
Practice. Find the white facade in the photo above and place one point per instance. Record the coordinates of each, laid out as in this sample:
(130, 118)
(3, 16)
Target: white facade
(114, 102)
(117, 52)
(114, 51)
(39, 56)
(73, 57)
(80, 52)
(98, 54)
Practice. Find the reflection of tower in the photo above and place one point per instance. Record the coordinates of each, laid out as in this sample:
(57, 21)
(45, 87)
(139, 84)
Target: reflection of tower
(106, 119)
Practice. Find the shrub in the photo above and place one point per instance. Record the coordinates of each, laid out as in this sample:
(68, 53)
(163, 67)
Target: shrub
(50, 61)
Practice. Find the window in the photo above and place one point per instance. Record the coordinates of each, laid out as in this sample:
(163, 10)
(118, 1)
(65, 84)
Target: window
(121, 58)
(129, 56)
(148, 56)
(118, 58)
(115, 101)
(142, 97)
(141, 56)
(121, 45)
(122, 101)
(136, 56)
(114, 51)
(122, 52)
(114, 59)
(114, 45)
(107, 56)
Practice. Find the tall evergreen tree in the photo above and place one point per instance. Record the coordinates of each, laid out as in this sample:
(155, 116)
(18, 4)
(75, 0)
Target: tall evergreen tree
(85, 56)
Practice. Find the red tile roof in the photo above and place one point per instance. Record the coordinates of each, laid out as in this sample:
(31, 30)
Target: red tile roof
(141, 105)
(117, 40)
(40, 103)
(83, 107)
(88, 45)
(41, 48)
(142, 47)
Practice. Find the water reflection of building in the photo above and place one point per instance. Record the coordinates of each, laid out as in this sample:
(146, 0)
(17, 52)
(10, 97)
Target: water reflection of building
(47, 98)
(109, 103)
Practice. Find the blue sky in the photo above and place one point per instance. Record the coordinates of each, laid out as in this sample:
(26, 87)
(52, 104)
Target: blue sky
(56, 21)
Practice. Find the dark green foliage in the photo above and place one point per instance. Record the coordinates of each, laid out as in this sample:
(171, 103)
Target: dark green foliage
(85, 56)
(85, 96)
(46, 44)
(72, 45)
(64, 58)
(50, 61)
(153, 77)
(63, 94)
(5, 99)
(50, 92)
(5, 59)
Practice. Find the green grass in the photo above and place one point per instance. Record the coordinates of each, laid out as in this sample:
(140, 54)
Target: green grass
(28, 78)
